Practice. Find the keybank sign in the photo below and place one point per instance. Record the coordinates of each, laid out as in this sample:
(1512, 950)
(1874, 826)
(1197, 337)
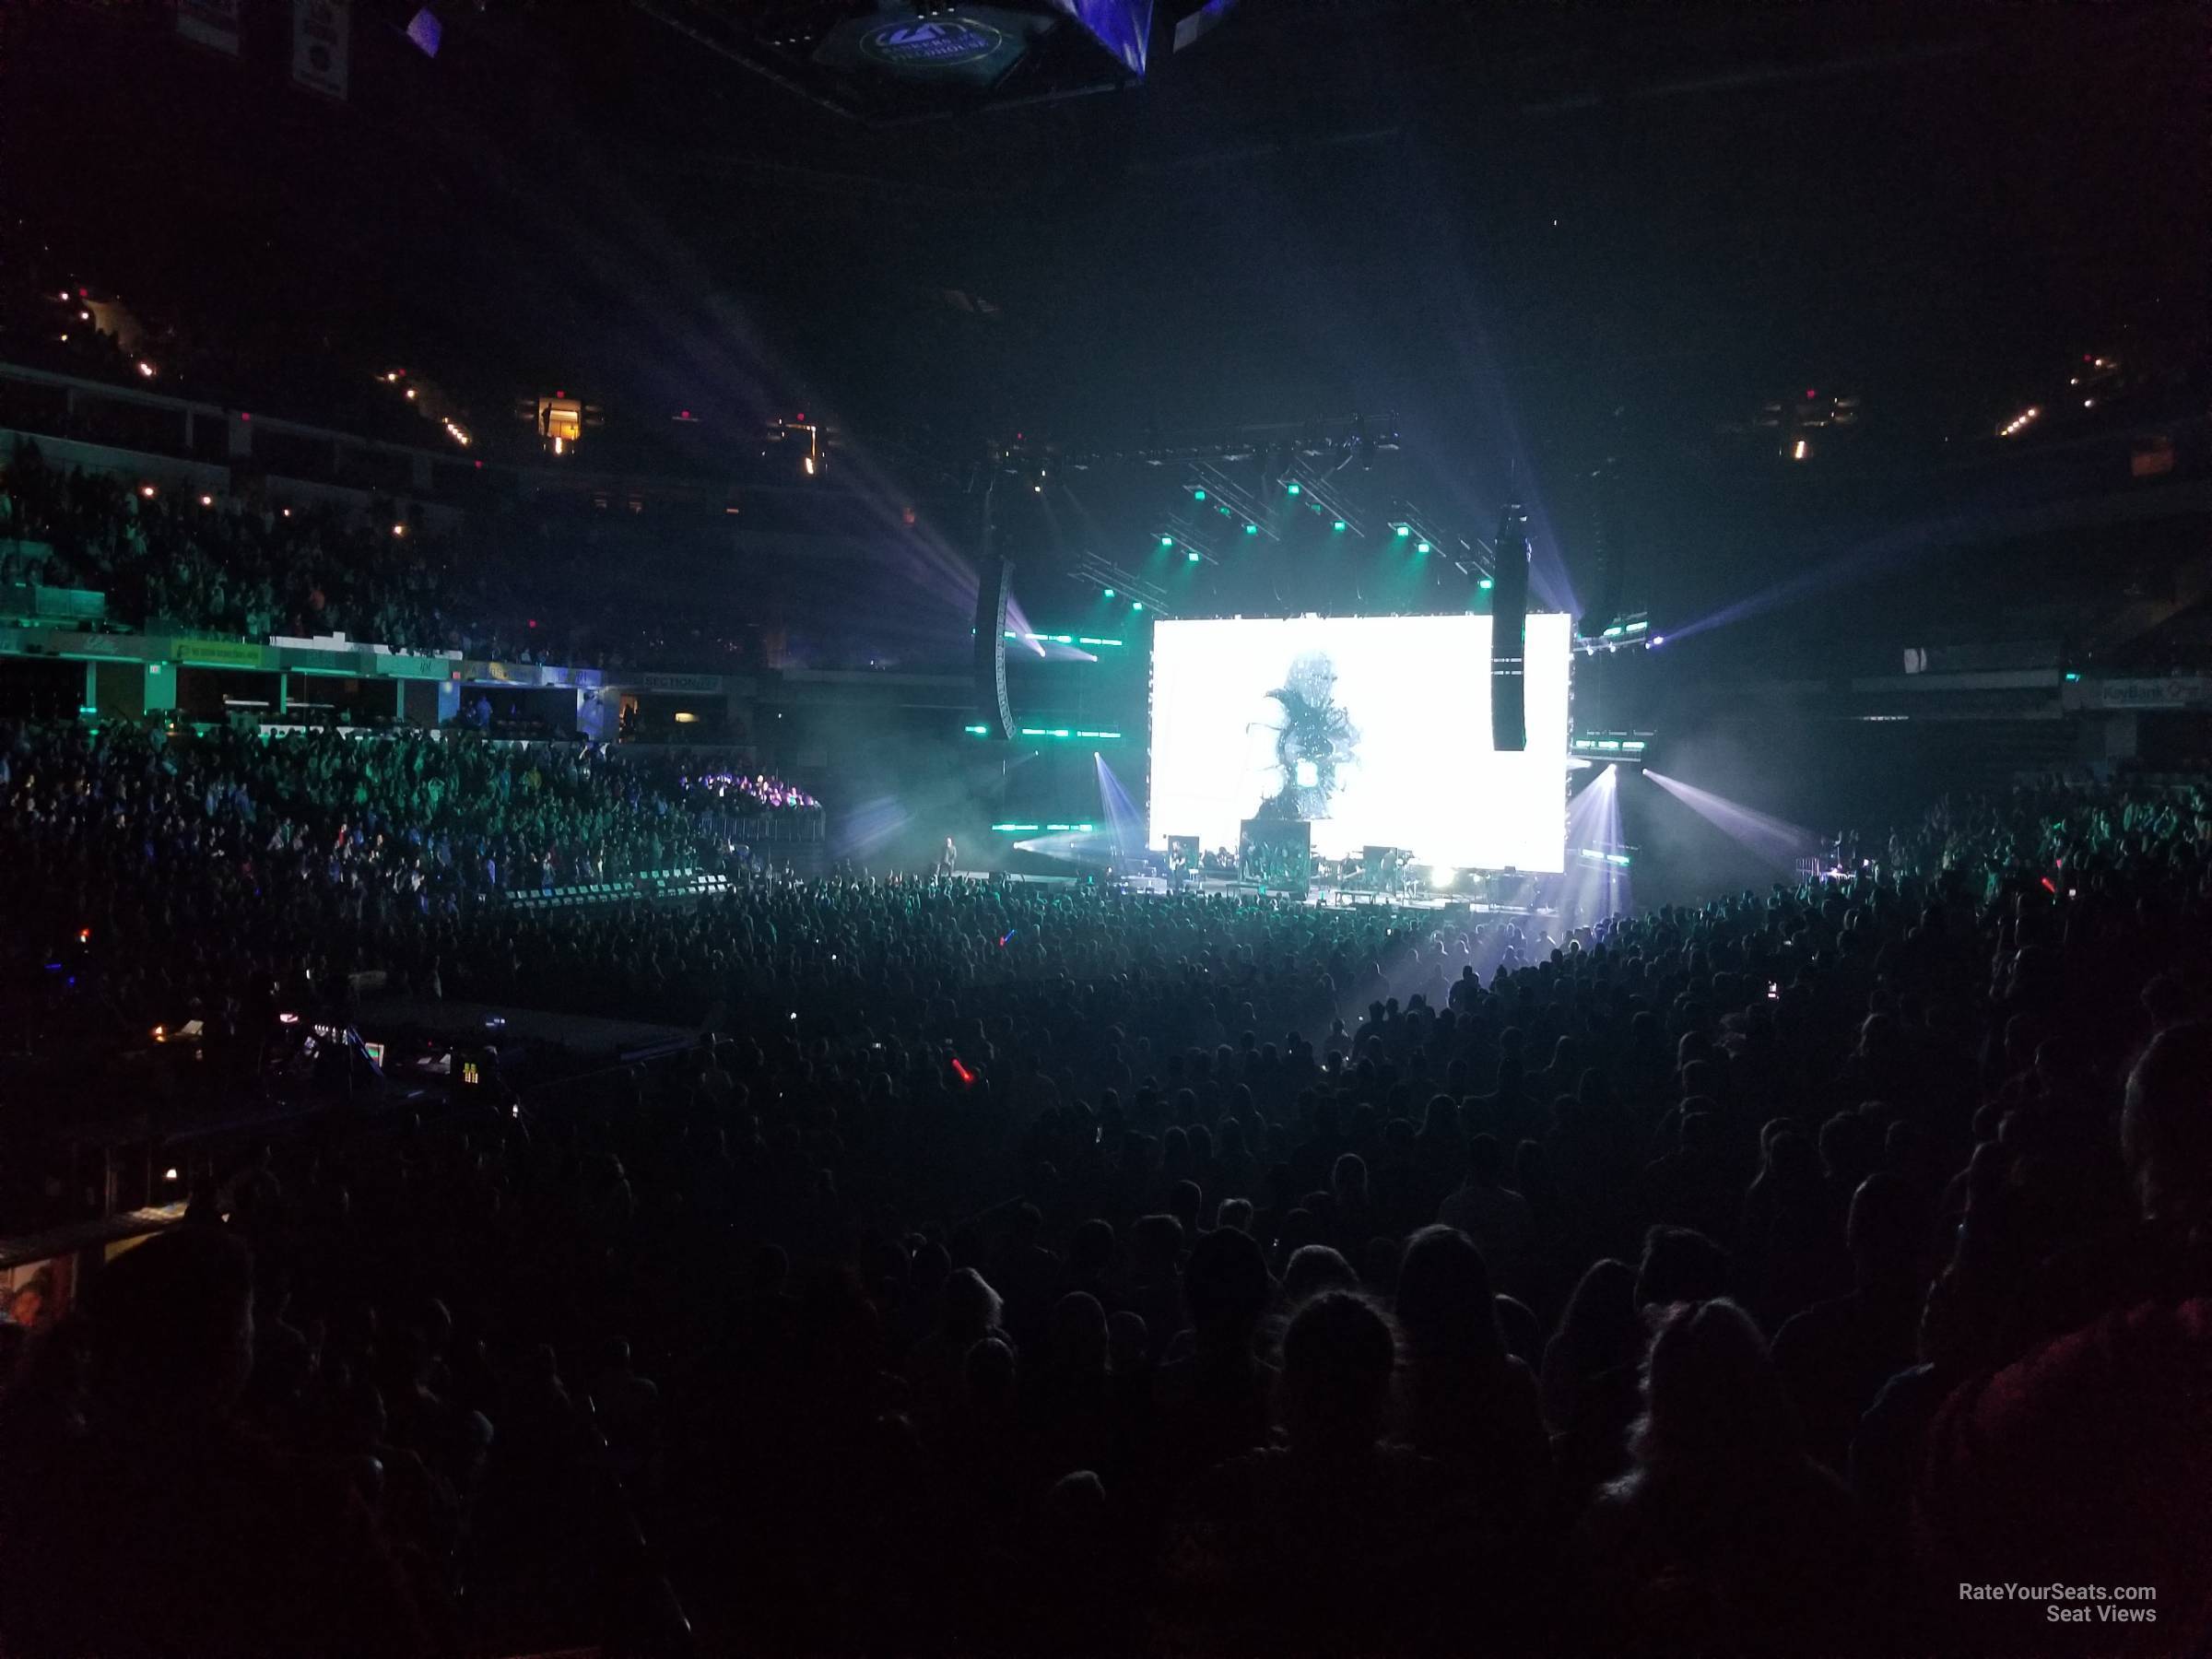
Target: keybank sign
(931, 44)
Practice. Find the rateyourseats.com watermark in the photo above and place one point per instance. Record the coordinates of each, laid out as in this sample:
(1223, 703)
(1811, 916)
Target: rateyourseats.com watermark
(2075, 1604)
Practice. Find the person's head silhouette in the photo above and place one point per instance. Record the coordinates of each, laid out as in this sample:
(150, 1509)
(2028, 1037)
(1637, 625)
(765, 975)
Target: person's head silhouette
(1314, 1268)
(1445, 1299)
(1712, 1400)
(1225, 1287)
(1886, 1233)
(971, 1306)
(1337, 1359)
(1679, 1265)
(1075, 1339)
(173, 1326)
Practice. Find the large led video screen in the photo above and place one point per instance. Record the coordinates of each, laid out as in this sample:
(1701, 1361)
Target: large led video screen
(1376, 730)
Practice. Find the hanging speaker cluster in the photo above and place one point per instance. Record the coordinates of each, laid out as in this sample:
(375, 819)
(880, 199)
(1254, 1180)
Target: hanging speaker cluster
(1509, 613)
(991, 597)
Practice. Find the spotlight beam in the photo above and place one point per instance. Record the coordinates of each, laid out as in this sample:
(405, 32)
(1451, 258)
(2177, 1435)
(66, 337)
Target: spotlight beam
(1773, 840)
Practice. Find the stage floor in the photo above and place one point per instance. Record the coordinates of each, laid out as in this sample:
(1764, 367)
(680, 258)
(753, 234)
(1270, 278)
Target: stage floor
(1319, 896)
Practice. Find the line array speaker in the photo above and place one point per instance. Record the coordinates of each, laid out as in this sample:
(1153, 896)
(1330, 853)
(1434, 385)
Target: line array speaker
(1509, 612)
(991, 594)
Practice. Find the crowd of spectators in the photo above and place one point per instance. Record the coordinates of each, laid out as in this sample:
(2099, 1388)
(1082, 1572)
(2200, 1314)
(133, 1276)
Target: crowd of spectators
(756, 788)
(225, 565)
(245, 565)
(1058, 1271)
(210, 870)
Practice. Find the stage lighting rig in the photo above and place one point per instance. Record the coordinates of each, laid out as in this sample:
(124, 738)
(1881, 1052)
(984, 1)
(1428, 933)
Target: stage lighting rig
(1630, 631)
(1311, 448)
(1612, 748)
(1119, 585)
(1230, 501)
(1366, 444)
(1412, 533)
(1317, 495)
(1180, 538)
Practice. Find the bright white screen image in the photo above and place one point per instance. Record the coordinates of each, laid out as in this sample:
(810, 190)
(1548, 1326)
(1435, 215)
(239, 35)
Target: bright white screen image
(1398, 711)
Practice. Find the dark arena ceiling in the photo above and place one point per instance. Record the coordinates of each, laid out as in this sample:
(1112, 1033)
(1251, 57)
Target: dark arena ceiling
(1536, 237)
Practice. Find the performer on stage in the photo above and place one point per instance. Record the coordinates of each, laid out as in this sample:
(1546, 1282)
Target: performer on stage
(950, 860)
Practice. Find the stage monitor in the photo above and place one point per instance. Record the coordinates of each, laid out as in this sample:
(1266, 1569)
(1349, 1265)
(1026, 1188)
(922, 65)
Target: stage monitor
(1373, 730)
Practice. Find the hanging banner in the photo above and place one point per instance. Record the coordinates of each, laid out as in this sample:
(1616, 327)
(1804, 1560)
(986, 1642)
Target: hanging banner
(216, 653)
(210, 23)
(321, 31)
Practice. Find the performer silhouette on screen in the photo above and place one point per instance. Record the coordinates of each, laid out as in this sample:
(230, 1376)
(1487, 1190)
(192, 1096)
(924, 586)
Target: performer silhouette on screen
(1314, 738)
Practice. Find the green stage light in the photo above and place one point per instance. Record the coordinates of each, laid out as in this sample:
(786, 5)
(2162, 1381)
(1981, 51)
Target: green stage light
(1252, 529)
(1337, 525)
(1136, 604)
(1295, 489)
(1166, 541)
(1405, 529)
(1191, 557)
(1109, 593)
(1011, 829)
(1420, 547)
(1198, 495)
(977, 731)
